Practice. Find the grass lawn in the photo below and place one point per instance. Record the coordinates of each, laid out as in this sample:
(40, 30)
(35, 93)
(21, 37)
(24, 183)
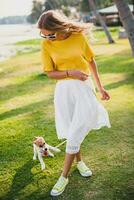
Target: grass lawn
(26, 110)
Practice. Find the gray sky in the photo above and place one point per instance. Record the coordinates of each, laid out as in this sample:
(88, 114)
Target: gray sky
(15, 7)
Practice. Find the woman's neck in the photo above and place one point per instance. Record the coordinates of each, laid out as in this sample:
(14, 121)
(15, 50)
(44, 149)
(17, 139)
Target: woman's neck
(62, 36)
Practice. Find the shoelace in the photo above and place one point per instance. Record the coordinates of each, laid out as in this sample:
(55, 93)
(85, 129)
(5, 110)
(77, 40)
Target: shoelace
(59, 183)
(85, 168)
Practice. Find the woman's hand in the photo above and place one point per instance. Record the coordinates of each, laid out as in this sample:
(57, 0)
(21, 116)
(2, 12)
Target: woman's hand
(104, 93)
(78, 74)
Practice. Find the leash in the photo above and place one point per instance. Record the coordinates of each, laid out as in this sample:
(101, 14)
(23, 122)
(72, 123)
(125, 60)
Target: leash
(61, 144)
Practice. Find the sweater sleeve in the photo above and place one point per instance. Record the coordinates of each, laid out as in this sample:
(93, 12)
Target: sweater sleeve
(88, 52)
(47, 62)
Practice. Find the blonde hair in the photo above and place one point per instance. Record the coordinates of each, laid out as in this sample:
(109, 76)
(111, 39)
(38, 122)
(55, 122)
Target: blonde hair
(54, 21)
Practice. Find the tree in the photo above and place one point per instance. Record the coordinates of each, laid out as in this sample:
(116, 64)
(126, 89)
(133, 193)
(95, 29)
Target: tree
(36, 12)
(103, 24)
(84, 6)
(127, 19)
(103, 3)
(51, 4)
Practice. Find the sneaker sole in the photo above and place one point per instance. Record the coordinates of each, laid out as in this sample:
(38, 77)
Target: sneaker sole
(56, 194)
(85, 175)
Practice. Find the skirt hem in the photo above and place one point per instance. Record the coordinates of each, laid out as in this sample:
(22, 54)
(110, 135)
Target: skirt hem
(93, 128)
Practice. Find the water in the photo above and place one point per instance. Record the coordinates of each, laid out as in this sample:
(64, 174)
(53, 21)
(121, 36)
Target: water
(10, 34)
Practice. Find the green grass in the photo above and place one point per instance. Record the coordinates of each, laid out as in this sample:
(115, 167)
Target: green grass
(28, 46)
(27, 110)
(99, 34)
(29, 42)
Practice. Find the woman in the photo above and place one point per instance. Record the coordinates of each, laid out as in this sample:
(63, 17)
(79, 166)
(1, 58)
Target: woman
(68, 58)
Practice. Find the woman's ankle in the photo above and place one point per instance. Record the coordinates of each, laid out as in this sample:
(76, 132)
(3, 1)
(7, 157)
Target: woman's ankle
(78, 160)
(64, 175)
(78, 157)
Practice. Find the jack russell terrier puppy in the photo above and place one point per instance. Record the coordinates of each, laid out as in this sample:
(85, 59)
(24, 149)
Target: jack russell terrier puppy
(41, 148)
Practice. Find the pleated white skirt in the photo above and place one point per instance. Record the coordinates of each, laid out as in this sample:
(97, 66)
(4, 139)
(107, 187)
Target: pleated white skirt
(77, 111)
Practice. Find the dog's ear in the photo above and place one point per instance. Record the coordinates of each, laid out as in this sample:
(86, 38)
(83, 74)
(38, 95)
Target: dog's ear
(34, 140)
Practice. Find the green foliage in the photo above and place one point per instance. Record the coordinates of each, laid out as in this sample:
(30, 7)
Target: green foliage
(51, 4)
(61, 4)
(84, 6)
(65, 10)
(103, 3)
(80, 5)
(36, 11)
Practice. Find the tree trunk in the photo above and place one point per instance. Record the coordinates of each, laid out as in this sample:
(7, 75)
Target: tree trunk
(127, 19)
(103, 24)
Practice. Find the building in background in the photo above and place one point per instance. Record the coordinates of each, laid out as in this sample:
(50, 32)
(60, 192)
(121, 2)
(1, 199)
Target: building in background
(109, 14)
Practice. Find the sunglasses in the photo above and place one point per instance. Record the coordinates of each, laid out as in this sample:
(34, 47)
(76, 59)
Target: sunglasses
(49, 36)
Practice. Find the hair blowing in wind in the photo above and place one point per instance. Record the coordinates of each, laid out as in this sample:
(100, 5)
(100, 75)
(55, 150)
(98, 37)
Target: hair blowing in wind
(55, 21)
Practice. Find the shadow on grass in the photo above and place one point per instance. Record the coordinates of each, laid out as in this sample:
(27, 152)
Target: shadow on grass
(112, 177)
(128, 81)
(22, 178)
(117, 63)
(34, 106)
(114, 182)
(29, 86)
(25, 109)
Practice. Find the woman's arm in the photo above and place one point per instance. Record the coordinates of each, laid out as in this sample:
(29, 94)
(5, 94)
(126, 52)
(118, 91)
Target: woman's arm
(67, 73)
(94, 71)
(57, 74)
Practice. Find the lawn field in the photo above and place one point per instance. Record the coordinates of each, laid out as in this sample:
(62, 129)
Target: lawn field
(27, 110)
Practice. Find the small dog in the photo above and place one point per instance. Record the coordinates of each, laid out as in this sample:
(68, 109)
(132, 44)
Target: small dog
(41, 148)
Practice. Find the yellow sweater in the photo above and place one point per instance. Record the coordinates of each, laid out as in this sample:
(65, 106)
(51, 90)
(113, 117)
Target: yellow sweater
(73, 52)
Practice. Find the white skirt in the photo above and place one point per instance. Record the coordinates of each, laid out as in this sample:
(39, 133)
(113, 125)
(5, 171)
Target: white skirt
(77, 111)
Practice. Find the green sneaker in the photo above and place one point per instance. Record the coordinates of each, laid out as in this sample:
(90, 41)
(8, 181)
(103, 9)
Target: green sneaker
(83, 169)
(59, 187)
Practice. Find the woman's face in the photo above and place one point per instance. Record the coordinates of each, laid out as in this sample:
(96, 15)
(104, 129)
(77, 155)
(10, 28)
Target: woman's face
(51, 35)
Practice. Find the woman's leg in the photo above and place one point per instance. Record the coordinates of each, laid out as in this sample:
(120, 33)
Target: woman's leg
(67, 163)
(78, 156)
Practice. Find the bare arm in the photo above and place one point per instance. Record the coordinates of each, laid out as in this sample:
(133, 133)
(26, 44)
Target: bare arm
(57, 74)
(67, 73)
(94, 71)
